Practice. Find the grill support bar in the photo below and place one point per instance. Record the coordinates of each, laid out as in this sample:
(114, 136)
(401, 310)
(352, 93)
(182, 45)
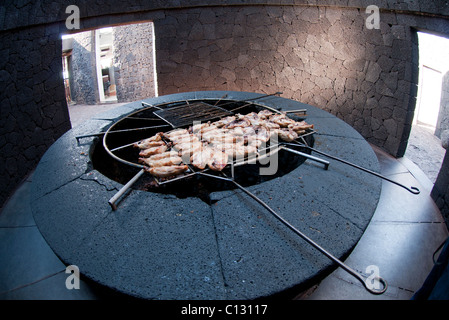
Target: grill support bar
(308, 156)
(412, 189)
(117, 196)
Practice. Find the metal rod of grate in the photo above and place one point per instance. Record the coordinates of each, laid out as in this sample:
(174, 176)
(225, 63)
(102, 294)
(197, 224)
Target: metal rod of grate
(192, 112)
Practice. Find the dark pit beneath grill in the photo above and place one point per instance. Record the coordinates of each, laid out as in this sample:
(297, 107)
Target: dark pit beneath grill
(197, 185)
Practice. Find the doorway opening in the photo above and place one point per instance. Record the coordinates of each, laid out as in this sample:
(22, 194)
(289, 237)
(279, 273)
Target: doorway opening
(431, 113)
(107, 67)
(88, 67)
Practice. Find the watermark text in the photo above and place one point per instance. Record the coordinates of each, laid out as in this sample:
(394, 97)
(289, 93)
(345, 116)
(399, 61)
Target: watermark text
(373, 20)
(73, 280)
(73, 20)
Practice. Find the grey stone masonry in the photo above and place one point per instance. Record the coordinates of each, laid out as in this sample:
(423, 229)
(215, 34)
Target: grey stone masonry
(33, 109)
(134, 61)
(443, 117)
(84, 87)
(320, 55)
(440, 191)
(23, 13)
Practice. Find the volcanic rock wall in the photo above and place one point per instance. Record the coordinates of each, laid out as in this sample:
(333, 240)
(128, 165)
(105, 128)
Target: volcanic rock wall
(442, 128)
(134, 62)
(323, 56)
(32, 100)
(84, 86)
(440, 191)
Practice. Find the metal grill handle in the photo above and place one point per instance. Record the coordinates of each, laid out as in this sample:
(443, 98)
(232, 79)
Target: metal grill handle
(352, 272)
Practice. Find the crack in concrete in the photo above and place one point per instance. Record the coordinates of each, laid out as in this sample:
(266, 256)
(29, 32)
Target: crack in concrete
(222, 273)
(95, 179)
(59, 187)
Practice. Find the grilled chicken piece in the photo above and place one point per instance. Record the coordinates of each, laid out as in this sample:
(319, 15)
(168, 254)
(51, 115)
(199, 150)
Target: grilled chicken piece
(168, 161)
(255, 142)
(200, 126)
(152, 151)
(223, 122)
(248, 133)
(265, 114)
(299, 132)
(254, 118)
(224, 138)
(287, 135)
(201, 158)
(187, 145)
(148, 144)
(167, 171)
(241, 122)
(228, 148)
(300, 126)
(237, 131)
(262, 133)
(252, 115)
(244, 151)
(187, 150)
(236, 150)
(174, 133)
(210, 134)
(282, 120)
(187, 138)
(218, 160)
(209, 127)
(163, 155)
(270, 125)
(153, 141)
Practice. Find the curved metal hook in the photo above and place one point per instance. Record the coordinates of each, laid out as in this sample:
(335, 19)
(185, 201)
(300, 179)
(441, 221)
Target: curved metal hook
(382, 290)
(365, 283)
(414, 190)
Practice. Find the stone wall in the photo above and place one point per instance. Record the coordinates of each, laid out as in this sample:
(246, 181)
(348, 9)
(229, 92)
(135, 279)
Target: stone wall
(440, 191)
(84, 88)
(321, 54)
(33, 109)
(443, 116)
(134, 62)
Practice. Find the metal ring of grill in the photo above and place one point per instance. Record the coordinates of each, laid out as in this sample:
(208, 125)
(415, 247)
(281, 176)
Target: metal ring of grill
(285, 146)
(166, 124)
